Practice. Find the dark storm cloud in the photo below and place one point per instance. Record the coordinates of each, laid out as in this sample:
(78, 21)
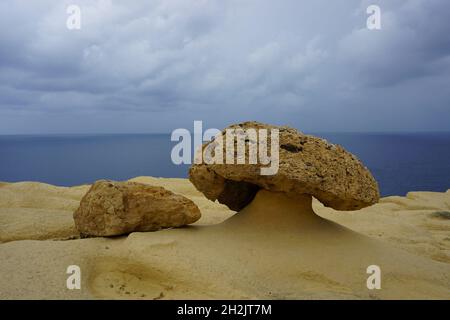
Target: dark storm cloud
(157, 65)
(411, 44)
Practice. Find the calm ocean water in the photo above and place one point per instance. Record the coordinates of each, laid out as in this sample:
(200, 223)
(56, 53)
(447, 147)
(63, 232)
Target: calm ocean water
(399, 162)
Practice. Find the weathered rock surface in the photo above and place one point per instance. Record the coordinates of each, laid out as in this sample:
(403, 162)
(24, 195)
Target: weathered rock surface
(307, 165)
(113, 208)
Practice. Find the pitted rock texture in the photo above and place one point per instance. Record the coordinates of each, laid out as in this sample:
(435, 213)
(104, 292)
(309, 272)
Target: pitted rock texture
(114, 208)
(307, 165)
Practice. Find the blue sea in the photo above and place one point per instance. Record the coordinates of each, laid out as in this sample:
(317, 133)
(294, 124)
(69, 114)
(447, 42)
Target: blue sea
(399, 162)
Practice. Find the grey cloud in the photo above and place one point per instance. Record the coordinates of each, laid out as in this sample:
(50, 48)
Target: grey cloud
(156, 65)
(410, 45)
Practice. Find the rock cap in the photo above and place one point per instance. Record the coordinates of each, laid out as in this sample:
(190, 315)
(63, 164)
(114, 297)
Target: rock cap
(307, 165)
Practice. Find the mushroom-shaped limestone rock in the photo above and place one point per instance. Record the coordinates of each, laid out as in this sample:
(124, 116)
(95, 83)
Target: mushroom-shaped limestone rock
(113, 208)
(308, 166)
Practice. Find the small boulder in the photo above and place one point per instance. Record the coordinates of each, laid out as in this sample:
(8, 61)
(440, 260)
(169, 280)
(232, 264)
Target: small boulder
(113, 208)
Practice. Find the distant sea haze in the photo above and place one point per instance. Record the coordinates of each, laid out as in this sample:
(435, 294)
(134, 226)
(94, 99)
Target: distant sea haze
(400, 162)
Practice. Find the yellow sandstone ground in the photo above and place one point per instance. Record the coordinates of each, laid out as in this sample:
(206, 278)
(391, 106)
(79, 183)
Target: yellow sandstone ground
(254, 254)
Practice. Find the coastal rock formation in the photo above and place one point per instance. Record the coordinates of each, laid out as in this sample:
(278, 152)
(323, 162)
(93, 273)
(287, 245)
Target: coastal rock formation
(113, 208)
(313, 259)
(307, 165)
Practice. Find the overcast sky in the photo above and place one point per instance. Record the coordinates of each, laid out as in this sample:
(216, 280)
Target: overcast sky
(153, 66)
